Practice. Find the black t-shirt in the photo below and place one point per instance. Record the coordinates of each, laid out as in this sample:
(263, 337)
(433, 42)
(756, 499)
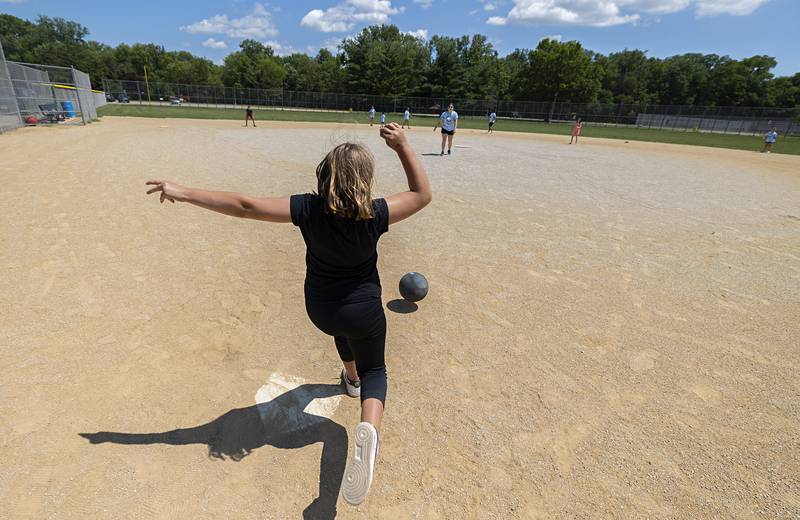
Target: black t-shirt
(341, 254)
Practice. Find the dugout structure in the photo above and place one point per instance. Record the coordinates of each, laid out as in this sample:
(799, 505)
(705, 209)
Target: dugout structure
(9, 111)
(47, 94)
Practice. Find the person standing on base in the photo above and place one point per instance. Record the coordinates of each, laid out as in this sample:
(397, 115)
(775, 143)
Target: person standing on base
(449, 123)
(770, 139)
(576, 131)
(371, 115)
(406, 119)
(492, 119)
(248, 116)
(341, 224)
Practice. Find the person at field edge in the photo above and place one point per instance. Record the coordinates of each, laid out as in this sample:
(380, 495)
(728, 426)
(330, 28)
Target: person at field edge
(770, 139)
(449, 123)
(406, 118)
(576, 130)
(492, 119)
(341, 224)
(371, 115)
(248, 116)
(383, 119)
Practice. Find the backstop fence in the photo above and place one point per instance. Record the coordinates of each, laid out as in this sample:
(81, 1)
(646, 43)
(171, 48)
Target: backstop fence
(9, 111)
(45, 94)
(738, 120)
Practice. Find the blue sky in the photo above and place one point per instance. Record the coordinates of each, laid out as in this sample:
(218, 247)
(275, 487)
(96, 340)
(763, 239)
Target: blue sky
(738, 28)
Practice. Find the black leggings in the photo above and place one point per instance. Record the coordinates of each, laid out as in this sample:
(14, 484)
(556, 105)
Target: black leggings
(359, 331)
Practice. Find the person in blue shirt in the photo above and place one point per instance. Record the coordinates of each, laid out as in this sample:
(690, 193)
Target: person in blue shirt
(492, 119)
(770, 139)
(406, 118)
(383, 119)
(371, 115)
(449, 123)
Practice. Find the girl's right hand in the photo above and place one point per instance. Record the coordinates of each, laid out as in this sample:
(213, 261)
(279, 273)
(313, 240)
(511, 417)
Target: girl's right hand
(169, 190)
(394, 136)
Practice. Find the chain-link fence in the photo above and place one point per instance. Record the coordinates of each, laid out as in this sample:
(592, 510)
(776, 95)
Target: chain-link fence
(51, 94)
(738, 120)
(9, 112)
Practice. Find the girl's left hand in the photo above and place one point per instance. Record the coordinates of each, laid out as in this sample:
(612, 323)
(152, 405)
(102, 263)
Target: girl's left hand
(169, 190)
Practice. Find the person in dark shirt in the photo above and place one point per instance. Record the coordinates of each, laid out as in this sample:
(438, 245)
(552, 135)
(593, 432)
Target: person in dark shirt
(248, 116)
(341, 224)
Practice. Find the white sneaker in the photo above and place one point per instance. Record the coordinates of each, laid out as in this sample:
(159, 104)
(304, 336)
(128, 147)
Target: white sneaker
(353, 388)
(358, 473)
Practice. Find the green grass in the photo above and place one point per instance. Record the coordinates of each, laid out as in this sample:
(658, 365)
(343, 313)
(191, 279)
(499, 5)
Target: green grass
(787, 145)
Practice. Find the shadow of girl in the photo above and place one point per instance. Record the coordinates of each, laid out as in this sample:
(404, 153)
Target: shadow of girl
(281, 422)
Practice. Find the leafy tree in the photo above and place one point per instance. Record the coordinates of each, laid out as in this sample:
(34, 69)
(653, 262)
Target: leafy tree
(629, 76)
(446, 75)
(560, 72)
(253, 66)
(381, 59)
(331, 71)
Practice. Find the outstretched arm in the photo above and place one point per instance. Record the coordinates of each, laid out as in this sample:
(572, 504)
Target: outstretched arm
(404, 204)
(270, 209)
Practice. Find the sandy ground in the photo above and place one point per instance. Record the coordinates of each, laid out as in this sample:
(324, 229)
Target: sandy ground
(612, 331)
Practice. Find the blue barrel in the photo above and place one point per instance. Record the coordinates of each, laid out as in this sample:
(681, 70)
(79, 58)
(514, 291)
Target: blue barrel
(69, 108)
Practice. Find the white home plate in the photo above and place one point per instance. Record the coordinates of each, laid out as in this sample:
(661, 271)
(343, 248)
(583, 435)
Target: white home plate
(282, 401)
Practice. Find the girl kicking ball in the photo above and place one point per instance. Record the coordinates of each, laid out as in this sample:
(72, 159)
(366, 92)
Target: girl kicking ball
(341, 224)
(449, 123)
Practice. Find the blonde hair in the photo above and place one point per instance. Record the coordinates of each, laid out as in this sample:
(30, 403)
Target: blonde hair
(344, 181)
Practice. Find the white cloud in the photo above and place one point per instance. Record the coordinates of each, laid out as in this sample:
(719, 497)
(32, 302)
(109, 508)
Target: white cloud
(731, 7)
(489, 6)
(344, 16)
(424, 3)
(556, 37)
(332, 44)
(258, 24)
(604, 13)
(281, 49)
(211, 43)
(419, 33)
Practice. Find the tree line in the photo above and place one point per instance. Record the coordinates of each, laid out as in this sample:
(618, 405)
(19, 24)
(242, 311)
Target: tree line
(383, 60)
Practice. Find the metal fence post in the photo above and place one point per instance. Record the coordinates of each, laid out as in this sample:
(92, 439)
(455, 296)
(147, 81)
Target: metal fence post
(77, 90)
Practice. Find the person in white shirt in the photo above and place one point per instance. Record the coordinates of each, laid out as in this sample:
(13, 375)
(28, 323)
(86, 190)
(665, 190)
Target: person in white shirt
(769, 140)
(406, 119)
(371, 115)
(492, 119)
(449, 123)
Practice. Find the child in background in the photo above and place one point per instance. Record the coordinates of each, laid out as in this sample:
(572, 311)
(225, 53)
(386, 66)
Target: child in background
(248, 116)
(383, 119)
(371, 115)
(576, 131)
(492, 119)
(770, 139)
(449, 123)
(406, 118)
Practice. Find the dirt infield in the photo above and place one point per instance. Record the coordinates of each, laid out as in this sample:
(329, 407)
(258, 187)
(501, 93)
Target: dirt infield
(612, 331)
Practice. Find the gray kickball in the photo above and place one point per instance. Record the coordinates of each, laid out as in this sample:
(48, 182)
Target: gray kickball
(413, 287)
